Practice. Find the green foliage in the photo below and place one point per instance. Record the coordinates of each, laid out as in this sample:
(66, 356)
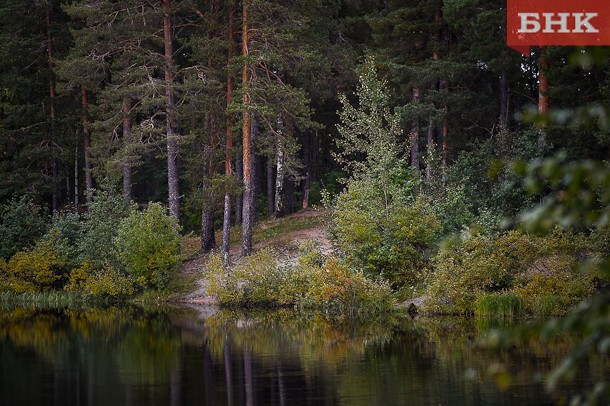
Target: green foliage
(21, 223)
(481, 188)
(316, 283)
(66, 232)
(106, 284)
(99, 228)
(499, 305)
(452, 206)
(370, 130)
(379, 225)
(579, 195)
(384, 238)
(533, 268)
(41, 268)
(148, 246)
(335, 289)
(255, 281)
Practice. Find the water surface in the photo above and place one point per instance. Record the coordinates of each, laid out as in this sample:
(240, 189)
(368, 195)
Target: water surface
(129, 356)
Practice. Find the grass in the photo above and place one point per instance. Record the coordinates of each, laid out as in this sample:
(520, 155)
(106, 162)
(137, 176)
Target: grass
(275, 227)
(50, 299)
(179, 284)
(499, 305)
(267, 229)
(548, 305)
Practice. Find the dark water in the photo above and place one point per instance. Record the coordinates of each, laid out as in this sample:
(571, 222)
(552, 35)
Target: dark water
(179, 357)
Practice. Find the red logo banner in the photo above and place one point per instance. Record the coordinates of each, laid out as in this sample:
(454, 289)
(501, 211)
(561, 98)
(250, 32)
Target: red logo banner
(557, 22)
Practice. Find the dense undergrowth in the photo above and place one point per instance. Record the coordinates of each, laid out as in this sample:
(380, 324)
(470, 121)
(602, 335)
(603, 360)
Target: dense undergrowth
(315, 282)
(110, 254)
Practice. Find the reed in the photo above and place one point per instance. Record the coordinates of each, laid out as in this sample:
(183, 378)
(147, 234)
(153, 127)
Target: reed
(549, 305)
(47, 299)
(499, 305)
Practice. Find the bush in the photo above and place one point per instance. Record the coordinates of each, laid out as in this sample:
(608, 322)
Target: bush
(40, 268)
(315, 283)
(383, 238)
(255, 281)
(533, 268)
(22, 223)
(99, 228)
(334, 289)
(554, 291)
(148, 246)
(106, 285)
(66, 234)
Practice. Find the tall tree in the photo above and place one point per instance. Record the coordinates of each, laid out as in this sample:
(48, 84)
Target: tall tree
(226, 223)
(246, 243)
(172, 142)
(35, 117)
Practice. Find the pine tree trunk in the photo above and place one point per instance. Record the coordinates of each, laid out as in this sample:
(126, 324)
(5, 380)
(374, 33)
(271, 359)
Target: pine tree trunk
(208, 239)
(270, 187)
(430, 150)
(239, 202)
(289, 195)
(172, 143)
(246, 243)
(444, 85)
(87, 148)
(279, 179)
(543, 88)
(254, 173)
(307, 163)
(76, 169)
(52, 114)
(226, 220)
(127, 142)
(414, 134)
(503, 116)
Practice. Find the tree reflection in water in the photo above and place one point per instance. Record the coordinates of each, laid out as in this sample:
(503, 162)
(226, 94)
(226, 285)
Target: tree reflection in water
(135, 357)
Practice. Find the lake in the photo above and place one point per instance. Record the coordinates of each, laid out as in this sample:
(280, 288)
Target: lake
(185, 356)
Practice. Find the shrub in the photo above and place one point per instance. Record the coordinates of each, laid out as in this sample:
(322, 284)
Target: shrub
(40, 268)
(466, 269)
(148, 246)
(315, 283)
(22, 223)
(555, 289)
(512, 263)
(106, 284)
(335, 290)
(99, 228)
(66, 234)
(389, 240)
(255, 281)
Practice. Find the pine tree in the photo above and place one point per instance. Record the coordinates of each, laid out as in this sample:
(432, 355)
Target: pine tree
(35, 119)
(124, 56)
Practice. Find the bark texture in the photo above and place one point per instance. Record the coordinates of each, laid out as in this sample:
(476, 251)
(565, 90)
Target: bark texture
(172, 142)
(226, 219)
(246, 242)
(87, 149)
(127, 141)
(414, 134)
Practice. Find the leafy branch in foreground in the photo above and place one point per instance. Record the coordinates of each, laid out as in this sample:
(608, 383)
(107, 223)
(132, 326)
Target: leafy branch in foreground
(580, 198)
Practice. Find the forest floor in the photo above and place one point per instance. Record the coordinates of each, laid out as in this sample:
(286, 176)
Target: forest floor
(284, 235)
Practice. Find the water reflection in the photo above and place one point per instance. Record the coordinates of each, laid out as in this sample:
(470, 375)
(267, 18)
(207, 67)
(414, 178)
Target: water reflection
(134, 357)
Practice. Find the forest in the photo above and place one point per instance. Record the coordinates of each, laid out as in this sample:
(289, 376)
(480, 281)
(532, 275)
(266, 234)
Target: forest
(439, 152)
(454, 175)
